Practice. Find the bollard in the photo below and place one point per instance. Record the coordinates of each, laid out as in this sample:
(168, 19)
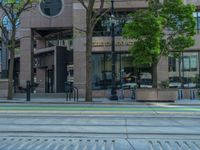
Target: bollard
(133, 95)
(28, 90)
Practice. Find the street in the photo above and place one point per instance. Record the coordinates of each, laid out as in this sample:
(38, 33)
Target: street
(99, 127)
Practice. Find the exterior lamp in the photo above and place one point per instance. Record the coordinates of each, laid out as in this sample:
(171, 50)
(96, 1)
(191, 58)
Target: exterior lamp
(113, 55)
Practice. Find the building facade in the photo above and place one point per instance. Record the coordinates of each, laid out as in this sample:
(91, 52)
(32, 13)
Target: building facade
(52, 51)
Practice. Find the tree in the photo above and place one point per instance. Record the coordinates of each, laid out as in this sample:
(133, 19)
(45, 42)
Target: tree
(13, 10)
(159, 30)
(92, 16)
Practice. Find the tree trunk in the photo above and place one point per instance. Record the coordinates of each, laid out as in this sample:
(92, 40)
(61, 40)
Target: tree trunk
(88, 87)
(11, 66)
(154, 75)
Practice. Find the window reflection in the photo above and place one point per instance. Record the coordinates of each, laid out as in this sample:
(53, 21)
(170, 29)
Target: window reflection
(51, 7)
(197, 18)
(127, 76)
(103, 26)
(7, 24)
(187, 73)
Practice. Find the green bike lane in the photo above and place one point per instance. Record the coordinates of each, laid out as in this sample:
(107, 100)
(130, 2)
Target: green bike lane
(99, 109)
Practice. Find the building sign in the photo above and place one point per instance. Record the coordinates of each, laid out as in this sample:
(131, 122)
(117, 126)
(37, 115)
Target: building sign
(108, 43)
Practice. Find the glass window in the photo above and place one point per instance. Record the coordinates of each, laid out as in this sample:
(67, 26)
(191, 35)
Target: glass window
(103, 26)
(7, 24)
(51, 7)
(186, 63)
(193, 62)
(187, 73)
(197, 18)
(97, 68)
(172, 64)
(126, 75)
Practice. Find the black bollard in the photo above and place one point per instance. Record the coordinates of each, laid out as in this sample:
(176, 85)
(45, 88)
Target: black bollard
(28, 90)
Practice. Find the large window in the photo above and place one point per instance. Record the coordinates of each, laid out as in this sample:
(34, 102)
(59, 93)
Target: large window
(51, 7)
(187, 70)
(103, 26)
(172, 63)
(126, 75)
(7, 24)
(189, 62)
(197, 18)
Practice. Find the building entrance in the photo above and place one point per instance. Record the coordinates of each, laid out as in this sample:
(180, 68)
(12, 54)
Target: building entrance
(49, 88)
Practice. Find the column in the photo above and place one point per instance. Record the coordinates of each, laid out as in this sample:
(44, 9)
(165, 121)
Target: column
(26, 57)
(79, 45)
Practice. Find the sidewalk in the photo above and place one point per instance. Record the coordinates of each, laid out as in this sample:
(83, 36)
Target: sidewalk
(63, 100)
(97, 101)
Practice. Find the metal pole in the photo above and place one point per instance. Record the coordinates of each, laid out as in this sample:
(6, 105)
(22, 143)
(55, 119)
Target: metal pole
(28, 90)
(182, 84)
(113, 88)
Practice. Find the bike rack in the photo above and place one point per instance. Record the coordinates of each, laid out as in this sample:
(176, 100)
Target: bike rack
(71, 92)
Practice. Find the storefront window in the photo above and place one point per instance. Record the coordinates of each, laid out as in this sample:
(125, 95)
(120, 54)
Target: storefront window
(172, 64)
(126, 75)
(97, 68)
(187, 73)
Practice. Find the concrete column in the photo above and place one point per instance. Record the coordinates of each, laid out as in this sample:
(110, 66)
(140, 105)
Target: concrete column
(26, 57)
(162, 69)
(79, 45)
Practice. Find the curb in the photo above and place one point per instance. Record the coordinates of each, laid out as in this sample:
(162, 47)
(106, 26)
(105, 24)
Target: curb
(99, 102)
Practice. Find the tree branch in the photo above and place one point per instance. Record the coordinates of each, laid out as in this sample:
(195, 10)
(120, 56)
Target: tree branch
(84, 4)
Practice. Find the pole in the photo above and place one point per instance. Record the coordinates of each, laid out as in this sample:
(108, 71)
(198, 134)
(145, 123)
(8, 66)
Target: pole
(28, 91)
(183, 66)
(113, 88)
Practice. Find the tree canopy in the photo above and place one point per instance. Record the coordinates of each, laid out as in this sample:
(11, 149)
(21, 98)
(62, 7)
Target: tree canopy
(162, 28)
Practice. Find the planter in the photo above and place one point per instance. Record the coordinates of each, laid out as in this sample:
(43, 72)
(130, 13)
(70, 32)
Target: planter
(157, 95)
(3, 88)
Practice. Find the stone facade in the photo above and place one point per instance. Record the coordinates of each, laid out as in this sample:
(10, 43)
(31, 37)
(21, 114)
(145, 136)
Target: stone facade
(35, 25)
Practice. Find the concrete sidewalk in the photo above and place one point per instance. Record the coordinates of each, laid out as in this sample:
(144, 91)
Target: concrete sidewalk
(97, 101)
(63, 100)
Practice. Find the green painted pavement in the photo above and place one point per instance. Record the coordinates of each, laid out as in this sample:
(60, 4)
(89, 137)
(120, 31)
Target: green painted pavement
(96, 108)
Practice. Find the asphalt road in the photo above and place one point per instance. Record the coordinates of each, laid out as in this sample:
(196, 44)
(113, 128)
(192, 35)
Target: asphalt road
(99, 127)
